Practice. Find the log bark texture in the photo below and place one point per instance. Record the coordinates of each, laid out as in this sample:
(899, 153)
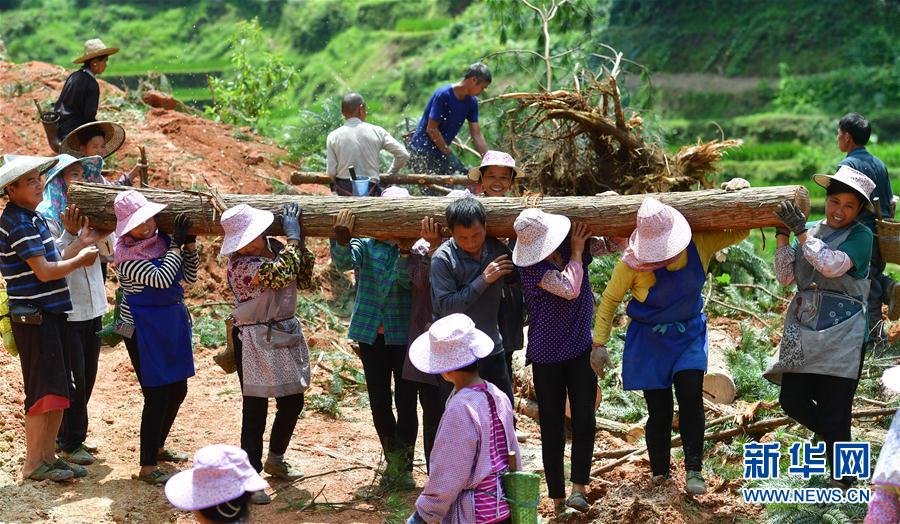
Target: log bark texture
(299, 177)
(384, 218)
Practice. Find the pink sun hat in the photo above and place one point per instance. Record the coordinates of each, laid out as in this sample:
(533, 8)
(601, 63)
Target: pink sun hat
(891, 379)
(221, 473)
(662, 232)
(395, 192)
(495, 158)
(538, 234)
(133, 209)
(242, 224)
(451, 343)
(857, 181)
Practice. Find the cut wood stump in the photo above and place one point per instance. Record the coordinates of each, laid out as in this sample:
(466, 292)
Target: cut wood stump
(299, 177)
(709, 210)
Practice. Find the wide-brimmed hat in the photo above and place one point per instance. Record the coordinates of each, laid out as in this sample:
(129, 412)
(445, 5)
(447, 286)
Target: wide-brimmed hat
(221, 473)
(94, 48)
(538, 235)
(848, 176)
(113, 138)
(133, 209)
(453, 342)
(16, 166)
(662, 232)
(67, 160)
(242, 224)
(495, 158)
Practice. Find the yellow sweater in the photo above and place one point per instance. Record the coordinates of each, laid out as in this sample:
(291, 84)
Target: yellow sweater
(625, 279)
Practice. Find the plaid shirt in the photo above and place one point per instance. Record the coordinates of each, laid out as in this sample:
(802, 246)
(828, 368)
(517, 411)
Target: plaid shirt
(383, 296)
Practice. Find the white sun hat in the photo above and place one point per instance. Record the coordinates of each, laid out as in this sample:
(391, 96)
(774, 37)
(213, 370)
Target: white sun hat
(94, 48)
(538, 234)
(242, 224)
(221, 473)
(856, 180)
(451, 343)
(16, 166)
(662, 232)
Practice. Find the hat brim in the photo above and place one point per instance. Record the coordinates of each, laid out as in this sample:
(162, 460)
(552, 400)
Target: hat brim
(262, 219)
(649, 249)
(825, 181)
(151, 209)
(107, 51)
(61, 166)
(185, 494)
(7, 178)
(421, 356)
(475, 173)
(558, 227)
(113, 138)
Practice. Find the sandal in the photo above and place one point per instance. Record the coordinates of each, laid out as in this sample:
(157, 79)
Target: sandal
(78, 471)
(578, 502)
(282, 470)
(168, 455)
(47, 472)
(157, 477)
(79, 455)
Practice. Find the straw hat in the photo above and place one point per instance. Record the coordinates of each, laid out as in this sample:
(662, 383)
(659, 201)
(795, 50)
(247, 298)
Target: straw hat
(67, 160)
(538, 235)
(133, 209)
(221, 473)
(662, 233)
(242, 224)
(16, 166)
(495, 158)
(94, 48)
(453, 342)
(113, 138)
(850, 177)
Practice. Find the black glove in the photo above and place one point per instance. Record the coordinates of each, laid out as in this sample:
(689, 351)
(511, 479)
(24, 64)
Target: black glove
(792, 217)
(290, 221)
(180, 235)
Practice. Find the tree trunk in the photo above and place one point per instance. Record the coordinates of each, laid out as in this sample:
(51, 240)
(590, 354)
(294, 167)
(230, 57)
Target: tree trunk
(708, 210)
(299, 177)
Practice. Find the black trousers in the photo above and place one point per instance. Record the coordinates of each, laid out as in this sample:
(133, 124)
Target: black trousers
(821, 403)
(691, 422)
(397, 435)
(574, 379)
(432, 401)
(254, 414)
(83, 346)
(161, 405)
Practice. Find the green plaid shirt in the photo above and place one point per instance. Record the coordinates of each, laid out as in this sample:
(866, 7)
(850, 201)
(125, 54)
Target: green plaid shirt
(383, 296)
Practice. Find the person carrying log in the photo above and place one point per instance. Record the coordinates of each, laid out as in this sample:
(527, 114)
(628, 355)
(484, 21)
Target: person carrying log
(664, 267)
(39, 300)
(154, 320)
(884, 507)
(476, 434)
(553, 256)
(80, 97)
(100, 139)
(269, 348)
(87, 290)
(358, 144)
(821, 352)
(380, 324)
(447, 109)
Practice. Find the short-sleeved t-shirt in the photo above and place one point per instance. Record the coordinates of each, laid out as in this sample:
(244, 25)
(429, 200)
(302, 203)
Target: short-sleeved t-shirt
(24, 234)
(857, 246)
(450, 112)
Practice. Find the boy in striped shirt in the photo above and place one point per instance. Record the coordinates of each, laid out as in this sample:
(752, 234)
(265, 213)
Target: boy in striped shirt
(35, 272)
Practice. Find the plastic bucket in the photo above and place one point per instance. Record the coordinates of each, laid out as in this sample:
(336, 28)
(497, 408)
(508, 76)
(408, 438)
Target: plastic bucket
(361, 186)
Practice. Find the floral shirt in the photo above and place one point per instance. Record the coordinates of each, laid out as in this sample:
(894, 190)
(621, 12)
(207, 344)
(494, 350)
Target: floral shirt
(250, 276)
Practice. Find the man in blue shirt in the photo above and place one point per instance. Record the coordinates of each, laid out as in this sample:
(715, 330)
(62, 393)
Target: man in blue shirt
(447, 109)
(853, 135)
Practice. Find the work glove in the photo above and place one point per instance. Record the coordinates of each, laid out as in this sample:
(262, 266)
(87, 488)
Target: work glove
(735, 184)
(180, 236)
(290, 221)
(792, 217)
(600, 361)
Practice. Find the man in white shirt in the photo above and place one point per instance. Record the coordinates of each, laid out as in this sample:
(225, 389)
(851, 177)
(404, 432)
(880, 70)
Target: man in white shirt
(359, 144)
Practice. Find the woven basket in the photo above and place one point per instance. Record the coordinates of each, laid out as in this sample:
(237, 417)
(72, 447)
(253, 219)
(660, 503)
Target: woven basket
(523, 493)
(889, 240)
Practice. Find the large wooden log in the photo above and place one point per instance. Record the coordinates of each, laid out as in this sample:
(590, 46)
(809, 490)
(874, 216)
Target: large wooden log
(392, 218)
(299, 177)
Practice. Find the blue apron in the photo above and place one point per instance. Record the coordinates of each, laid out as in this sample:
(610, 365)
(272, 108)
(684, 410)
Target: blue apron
(667, 332)
(163, 330)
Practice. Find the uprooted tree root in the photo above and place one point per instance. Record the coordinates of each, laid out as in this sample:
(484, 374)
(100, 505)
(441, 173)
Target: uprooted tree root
(580, 143)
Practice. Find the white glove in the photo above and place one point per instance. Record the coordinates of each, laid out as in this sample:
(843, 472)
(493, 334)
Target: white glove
(735, 184)
(600, 361)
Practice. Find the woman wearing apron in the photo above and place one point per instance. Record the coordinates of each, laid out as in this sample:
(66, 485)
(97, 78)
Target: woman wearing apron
(664, 267)
(270, 351)
(825, 327)
(154, 319)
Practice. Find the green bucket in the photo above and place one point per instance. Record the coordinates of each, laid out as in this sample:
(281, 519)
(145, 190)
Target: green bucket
(523, 493)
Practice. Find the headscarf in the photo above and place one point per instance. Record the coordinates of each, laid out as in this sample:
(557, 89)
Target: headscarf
(130, 248)
(54, 202)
